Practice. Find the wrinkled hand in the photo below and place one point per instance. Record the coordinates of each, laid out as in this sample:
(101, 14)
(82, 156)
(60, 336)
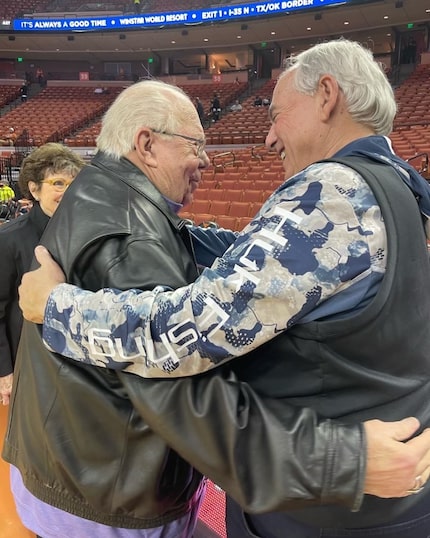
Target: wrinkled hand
(37, 285)
(6, 388)
(392, 464)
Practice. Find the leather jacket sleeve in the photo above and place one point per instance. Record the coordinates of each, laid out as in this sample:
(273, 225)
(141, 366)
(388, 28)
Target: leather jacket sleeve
(268, 456)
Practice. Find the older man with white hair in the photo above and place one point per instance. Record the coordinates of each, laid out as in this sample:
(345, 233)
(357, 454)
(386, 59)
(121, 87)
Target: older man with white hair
(84, 462)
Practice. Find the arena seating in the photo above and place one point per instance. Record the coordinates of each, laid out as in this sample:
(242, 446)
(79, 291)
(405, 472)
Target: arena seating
(227, 92)
(237, 182)
(56, 112)
(8, 94)
(248, 127)
(411, 135)
(413, 99)
(234, 187)
(10, 10)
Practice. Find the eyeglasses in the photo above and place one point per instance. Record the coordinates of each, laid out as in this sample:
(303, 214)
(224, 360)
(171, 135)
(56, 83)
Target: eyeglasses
(198, 143)
(60, 184)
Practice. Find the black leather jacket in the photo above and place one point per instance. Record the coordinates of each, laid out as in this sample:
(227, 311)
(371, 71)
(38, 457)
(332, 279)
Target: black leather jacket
(74, 432)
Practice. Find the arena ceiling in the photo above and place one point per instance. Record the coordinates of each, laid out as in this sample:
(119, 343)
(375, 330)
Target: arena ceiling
(375, 23)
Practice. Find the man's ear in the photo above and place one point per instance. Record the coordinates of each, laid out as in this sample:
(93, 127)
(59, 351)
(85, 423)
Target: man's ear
(144, 144)
(329, 91)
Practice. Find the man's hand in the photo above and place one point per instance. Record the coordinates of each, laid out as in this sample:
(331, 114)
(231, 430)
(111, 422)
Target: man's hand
(395, 465)
(5, 388)
(37, 285)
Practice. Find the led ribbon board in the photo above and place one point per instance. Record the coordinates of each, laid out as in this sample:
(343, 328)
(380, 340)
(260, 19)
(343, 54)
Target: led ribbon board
(171, 18)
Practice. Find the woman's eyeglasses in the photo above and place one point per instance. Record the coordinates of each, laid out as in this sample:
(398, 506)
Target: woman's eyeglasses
(60, 184)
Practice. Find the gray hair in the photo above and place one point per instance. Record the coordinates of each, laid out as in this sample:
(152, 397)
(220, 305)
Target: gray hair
(368, 93)
(150, 103)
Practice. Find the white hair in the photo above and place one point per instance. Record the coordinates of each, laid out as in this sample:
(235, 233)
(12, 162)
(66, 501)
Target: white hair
(368, 94)
(150, 103)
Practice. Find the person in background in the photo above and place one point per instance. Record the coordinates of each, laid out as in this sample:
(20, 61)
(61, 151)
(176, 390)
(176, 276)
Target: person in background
(40, 75)
(23, 91)
(6, 192)
(216, 108)
(236, 106)
(7, 196)
(331, 279)
(84, 463)
(9, 138)
(44, 176)
(200, 110)
(23, 142)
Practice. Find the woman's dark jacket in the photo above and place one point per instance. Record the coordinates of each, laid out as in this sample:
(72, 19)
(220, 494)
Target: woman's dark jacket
(17, 241)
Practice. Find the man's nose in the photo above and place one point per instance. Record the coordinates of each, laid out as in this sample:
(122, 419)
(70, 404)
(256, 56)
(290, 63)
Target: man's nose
(270, 139)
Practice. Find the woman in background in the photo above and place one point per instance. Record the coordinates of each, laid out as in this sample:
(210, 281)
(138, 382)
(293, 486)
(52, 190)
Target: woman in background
(45, 175)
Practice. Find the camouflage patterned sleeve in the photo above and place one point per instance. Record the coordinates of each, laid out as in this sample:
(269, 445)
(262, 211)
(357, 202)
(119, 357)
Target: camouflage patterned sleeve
(316, 236)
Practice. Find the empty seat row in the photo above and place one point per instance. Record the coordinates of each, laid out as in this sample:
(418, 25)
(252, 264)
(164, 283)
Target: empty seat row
(222, 221)
(224, 207)
(236, 195)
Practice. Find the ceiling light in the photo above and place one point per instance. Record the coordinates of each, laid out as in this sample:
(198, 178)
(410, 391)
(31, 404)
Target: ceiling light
(346, 23)
(308, 28)
(173, 42)
(239, 37)
(385, 17)
(272, 33)
(206, 39)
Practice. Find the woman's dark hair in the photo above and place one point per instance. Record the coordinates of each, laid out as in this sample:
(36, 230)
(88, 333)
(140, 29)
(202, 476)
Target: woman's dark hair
(48, 159)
